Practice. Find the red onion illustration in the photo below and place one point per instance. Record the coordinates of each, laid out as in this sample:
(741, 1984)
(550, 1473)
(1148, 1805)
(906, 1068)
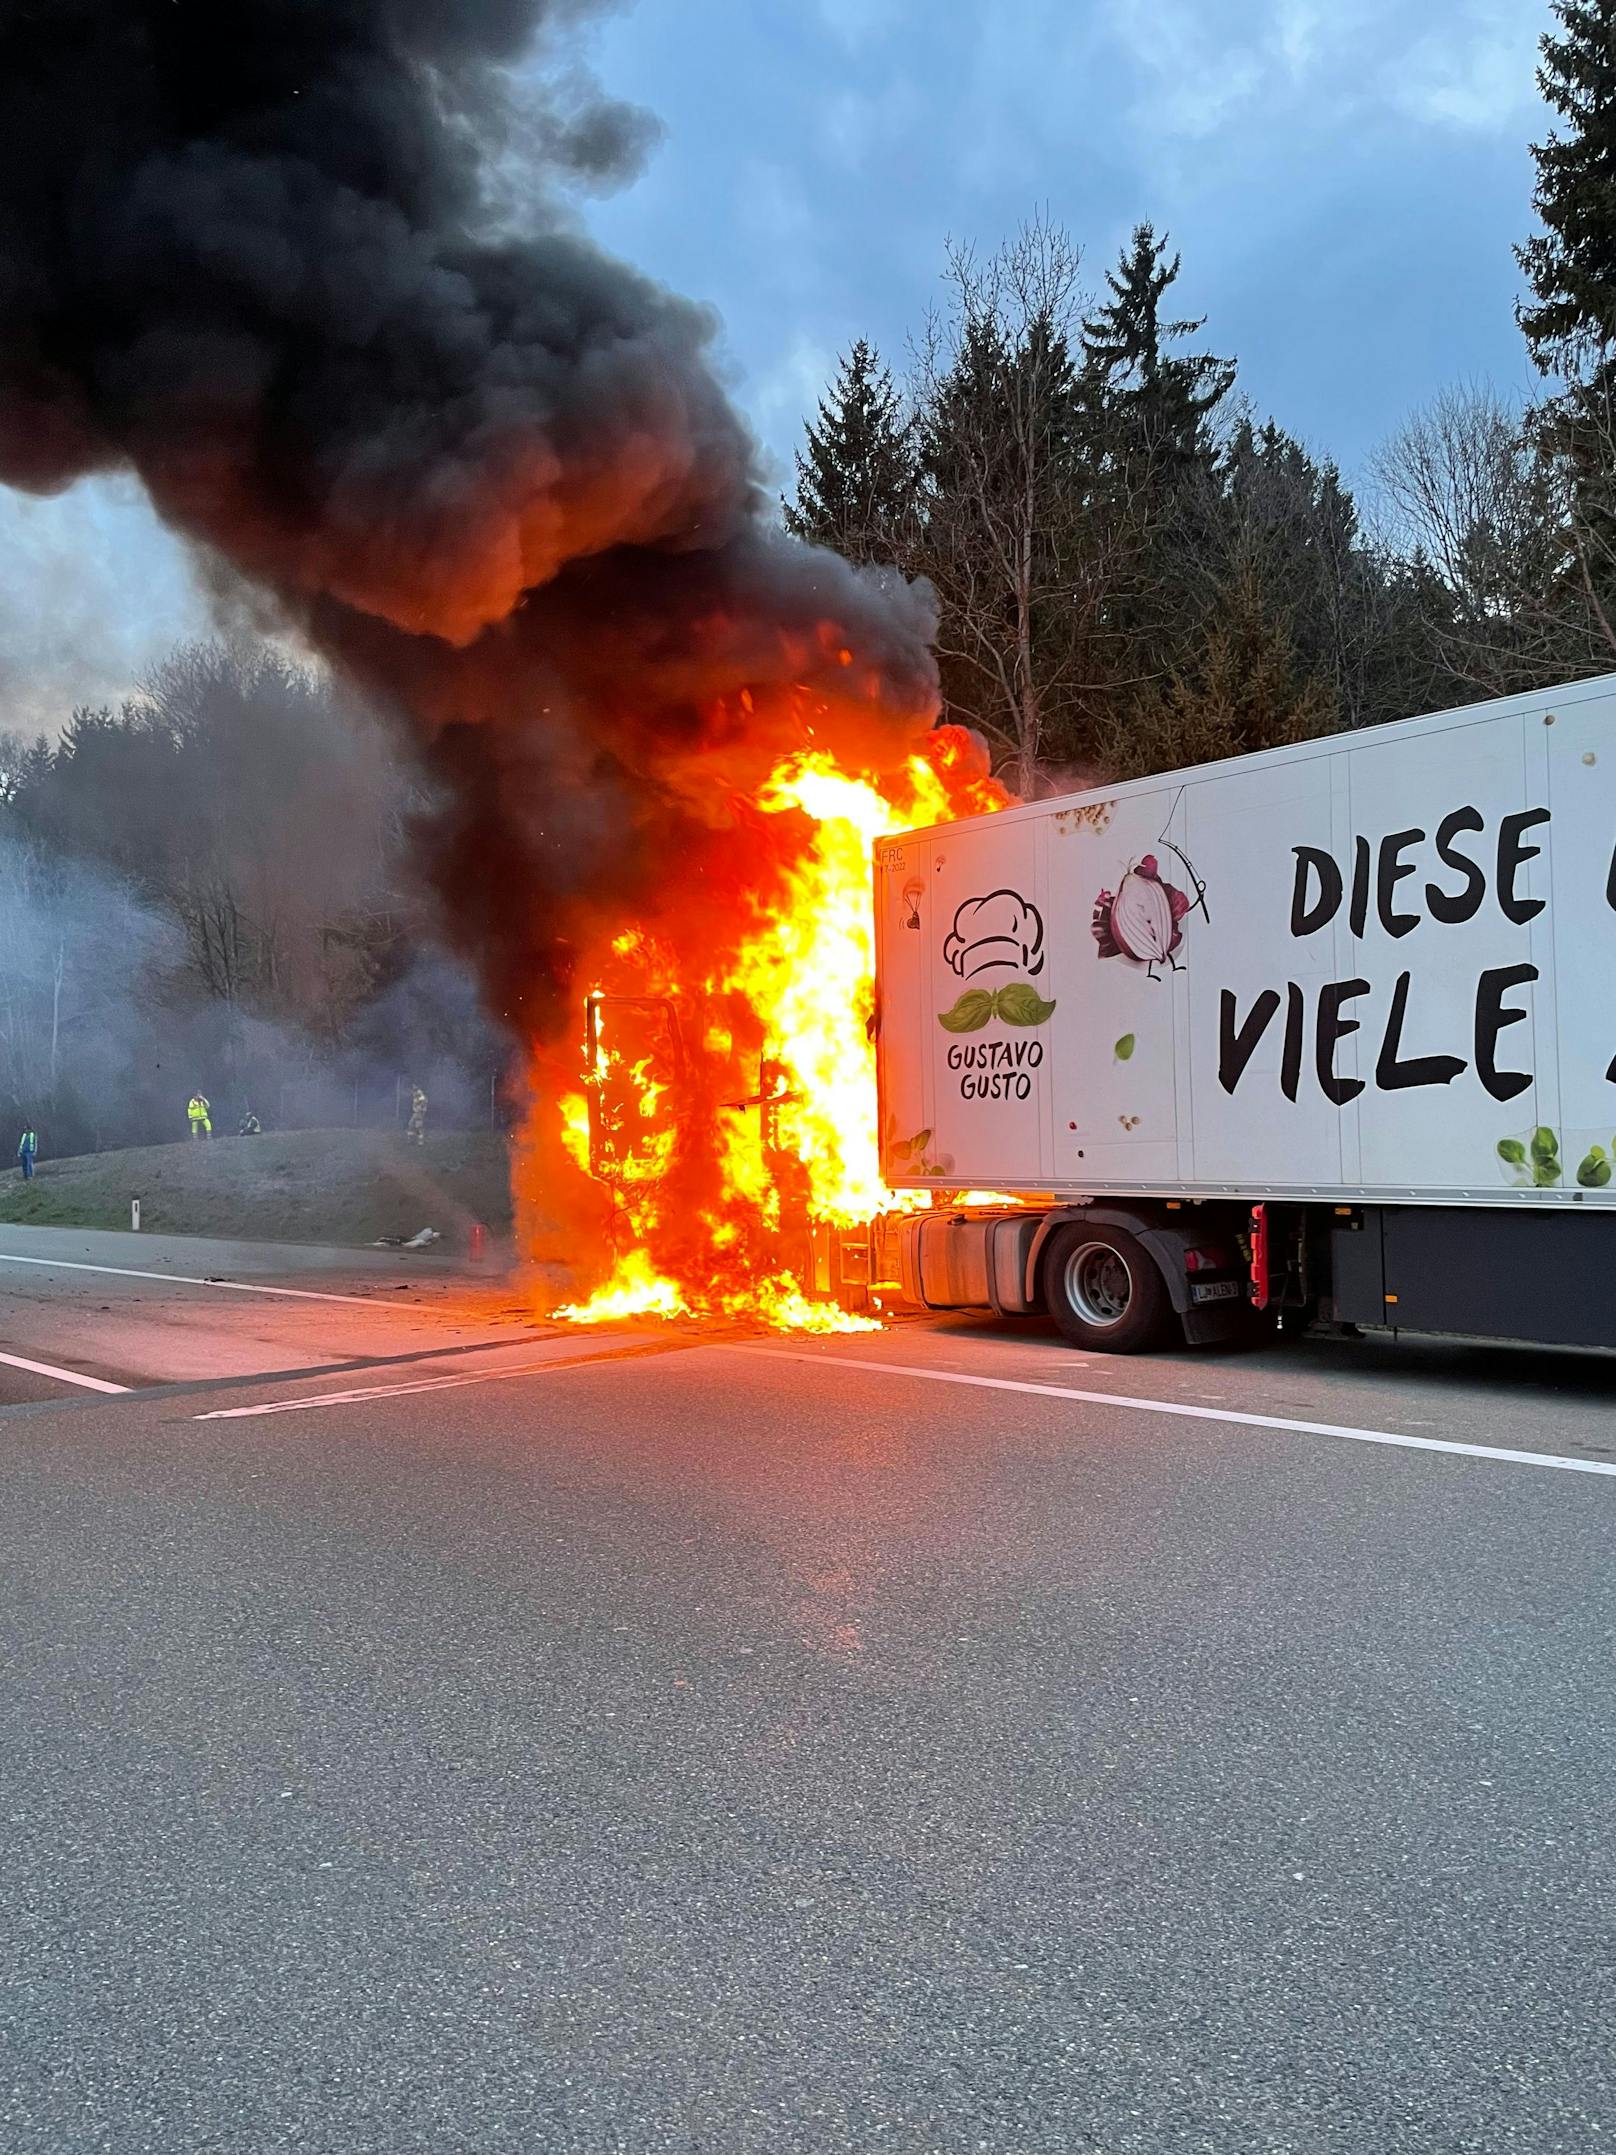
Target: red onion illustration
(1141, 918)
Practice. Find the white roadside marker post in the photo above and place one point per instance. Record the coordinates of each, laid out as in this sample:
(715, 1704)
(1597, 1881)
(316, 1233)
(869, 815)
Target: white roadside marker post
(134, 1215)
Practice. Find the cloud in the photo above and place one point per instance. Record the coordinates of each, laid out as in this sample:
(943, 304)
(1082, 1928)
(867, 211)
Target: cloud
(856, 24)
(772, 206)
(861, 127)
(1482, 83)
(1026, 74)
(1197, 68)
(779, 395)
(1297, 64)
(1298, 25)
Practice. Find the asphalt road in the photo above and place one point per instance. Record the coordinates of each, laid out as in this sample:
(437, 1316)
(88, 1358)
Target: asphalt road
(929, 1741)
(140, 1310)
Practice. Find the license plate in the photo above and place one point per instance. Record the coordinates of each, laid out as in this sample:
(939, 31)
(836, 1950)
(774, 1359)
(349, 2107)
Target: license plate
(1214, 1290)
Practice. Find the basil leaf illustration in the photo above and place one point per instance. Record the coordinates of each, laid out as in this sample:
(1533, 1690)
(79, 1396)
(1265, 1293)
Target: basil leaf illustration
(1594, 1172)
(1018, 1002)
(1124, 1048)
(1545, 1145)
(1512, 1152)
(969, 1014)
(1545, 1173)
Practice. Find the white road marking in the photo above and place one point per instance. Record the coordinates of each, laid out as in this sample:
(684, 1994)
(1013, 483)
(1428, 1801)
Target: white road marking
(370, 1391)
(1202, 1414)
(185, 1279)
(558, 1361)
(65, 1376)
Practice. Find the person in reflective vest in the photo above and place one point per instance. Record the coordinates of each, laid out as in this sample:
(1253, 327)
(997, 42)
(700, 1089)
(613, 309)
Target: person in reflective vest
(27, 1146)
(201, 1115)
(250, 1125)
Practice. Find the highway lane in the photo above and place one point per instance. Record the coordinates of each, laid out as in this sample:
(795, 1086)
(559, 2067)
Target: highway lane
(640, 1744)
(152, 1310)
(140, 1310)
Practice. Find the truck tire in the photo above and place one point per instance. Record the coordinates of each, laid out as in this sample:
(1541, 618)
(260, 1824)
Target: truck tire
(1104, 1290)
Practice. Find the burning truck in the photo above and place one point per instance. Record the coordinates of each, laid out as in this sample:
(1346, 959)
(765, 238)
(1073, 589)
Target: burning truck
(1320, 1033)
(714, 1151)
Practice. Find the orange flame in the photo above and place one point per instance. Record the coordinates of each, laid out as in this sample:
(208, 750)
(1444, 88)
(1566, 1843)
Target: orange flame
(728, 1101)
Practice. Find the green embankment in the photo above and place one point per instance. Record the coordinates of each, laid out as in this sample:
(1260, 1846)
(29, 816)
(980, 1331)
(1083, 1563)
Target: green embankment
(349, 1187)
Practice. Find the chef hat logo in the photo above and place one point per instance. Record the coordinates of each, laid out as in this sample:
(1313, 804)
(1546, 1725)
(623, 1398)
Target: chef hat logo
(1002, 929)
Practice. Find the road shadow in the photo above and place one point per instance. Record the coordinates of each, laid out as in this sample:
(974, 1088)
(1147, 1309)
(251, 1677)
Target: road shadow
(1504, 1369)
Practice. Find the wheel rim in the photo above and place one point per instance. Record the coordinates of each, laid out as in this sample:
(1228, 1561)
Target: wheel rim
(1099, 1285)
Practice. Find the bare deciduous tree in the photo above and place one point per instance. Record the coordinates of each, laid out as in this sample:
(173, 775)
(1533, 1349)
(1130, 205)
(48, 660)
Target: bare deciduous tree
(1489, 499)
(1025, 549)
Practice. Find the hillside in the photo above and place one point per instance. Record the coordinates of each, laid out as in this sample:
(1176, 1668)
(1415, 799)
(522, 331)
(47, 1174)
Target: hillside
(334, 1186)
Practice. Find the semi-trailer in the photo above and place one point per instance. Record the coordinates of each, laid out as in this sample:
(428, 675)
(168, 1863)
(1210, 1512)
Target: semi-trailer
(1324, 1033)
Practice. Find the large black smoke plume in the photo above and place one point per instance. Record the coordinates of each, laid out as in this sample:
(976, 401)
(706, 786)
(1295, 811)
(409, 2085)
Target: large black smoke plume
(264, 254)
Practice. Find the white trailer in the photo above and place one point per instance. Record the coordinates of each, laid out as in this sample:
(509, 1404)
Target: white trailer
(1330, 1028)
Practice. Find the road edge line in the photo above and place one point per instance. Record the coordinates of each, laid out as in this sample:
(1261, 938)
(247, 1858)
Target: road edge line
(190, 1279)
(1188, 1412)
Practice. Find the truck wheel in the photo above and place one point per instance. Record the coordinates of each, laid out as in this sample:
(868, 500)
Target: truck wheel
(1103, 1290)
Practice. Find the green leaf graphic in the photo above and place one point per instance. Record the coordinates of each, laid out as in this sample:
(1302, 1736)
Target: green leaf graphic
(1594, 1172)
(1124, 1048)
(1512, 1152)
(1545, 1145)
(1018, 1002)
(969, 1014)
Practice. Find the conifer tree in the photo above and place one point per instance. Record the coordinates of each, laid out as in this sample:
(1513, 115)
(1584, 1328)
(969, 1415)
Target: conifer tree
(1571, 264)
(1165, 398)
(855, 482)
(1243, 690)
(1149, 406)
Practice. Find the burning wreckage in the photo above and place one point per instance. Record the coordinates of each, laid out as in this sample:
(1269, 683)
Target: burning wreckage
(720, 1140)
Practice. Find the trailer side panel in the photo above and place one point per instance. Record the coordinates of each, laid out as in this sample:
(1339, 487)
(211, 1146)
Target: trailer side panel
(1378, 966)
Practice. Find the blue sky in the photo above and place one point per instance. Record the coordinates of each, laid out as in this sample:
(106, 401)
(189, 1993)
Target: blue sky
(1345, 179)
